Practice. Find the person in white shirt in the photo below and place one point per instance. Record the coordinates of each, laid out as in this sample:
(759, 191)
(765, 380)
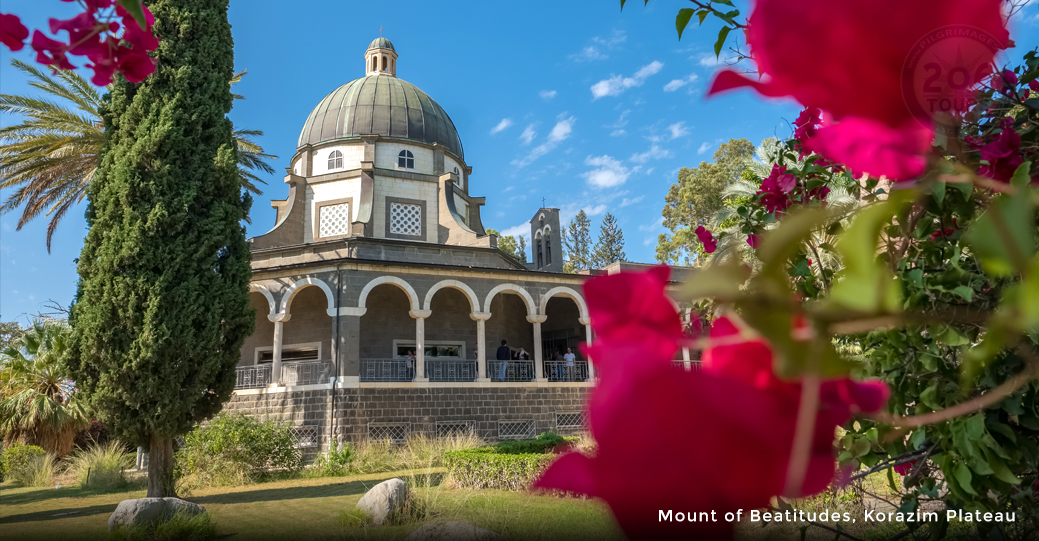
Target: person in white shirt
(569, 359)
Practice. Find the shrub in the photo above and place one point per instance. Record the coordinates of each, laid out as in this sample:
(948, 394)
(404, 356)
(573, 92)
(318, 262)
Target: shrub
(179, 527)
(545, 442)
(36, 471)
(337, 461)
(100, 466)
(486, 468)
(17, 455)
(235, 449)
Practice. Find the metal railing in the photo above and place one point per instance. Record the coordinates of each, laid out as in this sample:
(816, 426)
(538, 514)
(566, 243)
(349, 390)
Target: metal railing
(560, 371)
(688, 366)
(306, 373)
(451, 370)
(252, 377)
(387, 370)
(510, 370)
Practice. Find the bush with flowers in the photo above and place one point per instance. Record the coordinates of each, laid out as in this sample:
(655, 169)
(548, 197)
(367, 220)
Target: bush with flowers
(910, 318)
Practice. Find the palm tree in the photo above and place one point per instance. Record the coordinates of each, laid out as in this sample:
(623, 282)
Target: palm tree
(51, 156)
(37, 401)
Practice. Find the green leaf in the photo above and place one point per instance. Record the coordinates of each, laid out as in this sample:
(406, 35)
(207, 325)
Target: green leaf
(938, 192)
(702, 14)
(928, 397)
(726, 2)
(1028, 296)
(722, 281)
(963, 478)
(722, 34)
(918, 438)
(860, 448)
(1004, 236)
(952, 337)
(1000, 469)
(964, 291)
(136, 10)
(683, 19)
(891, 480)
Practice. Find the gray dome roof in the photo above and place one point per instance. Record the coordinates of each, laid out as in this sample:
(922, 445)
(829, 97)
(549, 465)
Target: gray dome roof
(381, 43)
(382, 105)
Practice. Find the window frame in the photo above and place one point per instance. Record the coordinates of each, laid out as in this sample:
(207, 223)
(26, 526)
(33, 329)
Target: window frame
(405, 159)
(335, 160)
(388, 215)
(316, 231)
(287, 347)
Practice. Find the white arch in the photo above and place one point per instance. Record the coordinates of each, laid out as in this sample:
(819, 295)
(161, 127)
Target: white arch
(286, 298)
(511, 288)
(267, 295)
(474, 302)
(537, 235)
(547, 230)
(566, 292)
(408, 290)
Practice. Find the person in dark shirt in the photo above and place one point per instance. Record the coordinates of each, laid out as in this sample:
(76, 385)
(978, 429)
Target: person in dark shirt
(503, 356)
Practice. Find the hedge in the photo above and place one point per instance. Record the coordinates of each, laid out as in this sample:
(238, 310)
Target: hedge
(509, 465)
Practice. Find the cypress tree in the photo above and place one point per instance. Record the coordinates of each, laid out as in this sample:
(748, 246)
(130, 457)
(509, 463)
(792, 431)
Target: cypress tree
(577, 243)
(610, 246)
(163, 306)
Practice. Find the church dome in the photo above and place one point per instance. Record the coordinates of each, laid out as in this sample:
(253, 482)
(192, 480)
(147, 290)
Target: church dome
(380, 104)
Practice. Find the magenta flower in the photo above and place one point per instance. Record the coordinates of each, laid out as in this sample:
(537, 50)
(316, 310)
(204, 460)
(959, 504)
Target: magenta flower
(753, 240)
(807, 123)
(1003, 156)
(12, 32)
(710, 244)
(775, 189)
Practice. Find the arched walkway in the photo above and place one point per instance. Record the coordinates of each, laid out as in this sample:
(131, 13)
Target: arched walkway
(286, 298)
(267, 295)
(511, 288)
(406, 287)
(565, 292)
(455, 284)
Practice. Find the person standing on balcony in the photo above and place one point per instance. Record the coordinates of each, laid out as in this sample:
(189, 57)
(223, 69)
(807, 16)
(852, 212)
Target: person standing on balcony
(503, 356)
(410, 374)
(569, 359)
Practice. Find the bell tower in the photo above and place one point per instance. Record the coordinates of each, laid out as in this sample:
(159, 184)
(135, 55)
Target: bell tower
(380, 58)
(545, 241)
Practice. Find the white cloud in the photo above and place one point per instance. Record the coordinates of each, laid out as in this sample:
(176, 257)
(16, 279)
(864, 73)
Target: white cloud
(650, 227)
(616, 38)
(528, 134)
(678, 129)
(704, 148)
(654, 153)
(596, 210)
(618, 133)
(589, 54)
(625, 202)
(617, 84)
(547, 94)
(503, 125)
(708, 60)
(675, 84)
(608, 172)
(521, 230)
(560, 132)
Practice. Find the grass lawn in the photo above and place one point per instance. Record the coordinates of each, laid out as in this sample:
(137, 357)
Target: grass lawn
(307, 509)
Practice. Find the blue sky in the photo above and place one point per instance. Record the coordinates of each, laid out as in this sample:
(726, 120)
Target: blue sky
(575, 102)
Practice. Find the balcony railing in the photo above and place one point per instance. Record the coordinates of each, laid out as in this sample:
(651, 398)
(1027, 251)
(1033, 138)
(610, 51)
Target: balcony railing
(560, 371)
(387, 370)
(451, 370)
(253, 377)
(688, 366)
(306, 373)
(510, 370)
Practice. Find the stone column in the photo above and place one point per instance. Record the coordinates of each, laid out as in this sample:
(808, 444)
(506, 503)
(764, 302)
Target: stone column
(481, 344)
(347, 350)
(539, 369)
(588, 340)
(279, 333)
(420, 342)
(685, 351)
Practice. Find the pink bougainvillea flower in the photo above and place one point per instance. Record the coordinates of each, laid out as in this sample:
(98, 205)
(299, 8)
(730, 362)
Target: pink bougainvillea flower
(869, 146)
(753, 240)
(904, 469)
(50, 52)
(837, 61)
(734, 422)
(775, 189)
(710, 244)
(807, 123)
(1005, 81)
(12, 32)
(1002, 155)
(1033, 84)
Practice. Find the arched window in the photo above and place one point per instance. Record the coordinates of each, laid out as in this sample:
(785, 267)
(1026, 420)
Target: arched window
(537, 242)
(548, 249)
(335, 160)
(406, 159)
(375, 63)
(384, 66)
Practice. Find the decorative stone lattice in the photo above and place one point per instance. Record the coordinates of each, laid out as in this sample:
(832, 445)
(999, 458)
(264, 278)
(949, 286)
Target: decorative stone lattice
(570, 420)
(516, 430)
(455, 429)
(393, 432)
(306, 436)
(405, 219)
(334, 220)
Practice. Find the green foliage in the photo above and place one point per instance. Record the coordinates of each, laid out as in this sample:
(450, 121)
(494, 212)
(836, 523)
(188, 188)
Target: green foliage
(609, 248)
(233, 449)
(577, 243)
(100, 467)
(10, 332)
(38, 402)
(18, 454)
(510, 246)
(179, 527)
(696, 197)
(508, 465)
(163, 306)
(34, 470)
(337, 461)
(545, 442)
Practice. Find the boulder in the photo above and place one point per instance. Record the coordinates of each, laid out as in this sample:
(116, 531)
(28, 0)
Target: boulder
(384, 500)
(147, 510)
(452, 530)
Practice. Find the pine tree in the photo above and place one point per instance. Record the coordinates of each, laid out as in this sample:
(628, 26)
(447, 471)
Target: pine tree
(610, 246)
(163, 306)
(577, 243)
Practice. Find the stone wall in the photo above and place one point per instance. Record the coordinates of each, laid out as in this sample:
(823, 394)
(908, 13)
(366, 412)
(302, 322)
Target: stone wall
(421, 407)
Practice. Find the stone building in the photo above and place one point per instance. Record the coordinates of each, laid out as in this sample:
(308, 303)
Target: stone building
(381, 301)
